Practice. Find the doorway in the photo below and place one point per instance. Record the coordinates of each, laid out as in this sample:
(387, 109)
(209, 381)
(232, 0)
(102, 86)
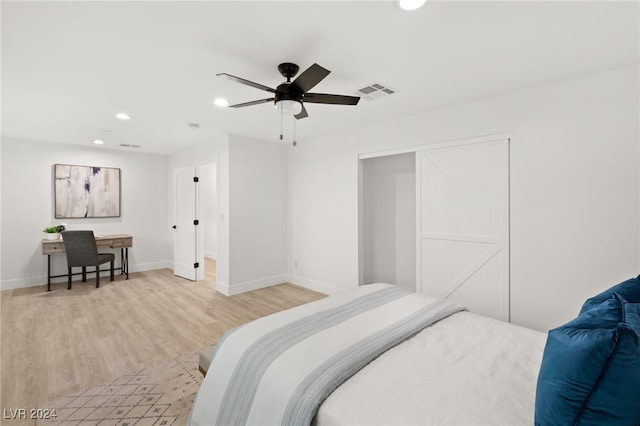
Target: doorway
(196, 222)
(388, 216)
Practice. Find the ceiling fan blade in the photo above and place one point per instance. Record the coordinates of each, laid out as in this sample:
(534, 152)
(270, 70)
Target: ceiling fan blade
(310, 77)
(258, 102)
(246, 82)
(323, 98)
(302, 114)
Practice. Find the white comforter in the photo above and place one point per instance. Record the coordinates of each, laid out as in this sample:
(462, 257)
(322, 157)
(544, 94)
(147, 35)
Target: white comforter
(278, 369)
(466, 369)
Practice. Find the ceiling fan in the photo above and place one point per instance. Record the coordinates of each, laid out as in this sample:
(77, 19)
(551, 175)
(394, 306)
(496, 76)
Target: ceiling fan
(290, 96)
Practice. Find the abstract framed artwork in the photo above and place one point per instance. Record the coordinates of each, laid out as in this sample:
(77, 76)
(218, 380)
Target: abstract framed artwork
(86, 191)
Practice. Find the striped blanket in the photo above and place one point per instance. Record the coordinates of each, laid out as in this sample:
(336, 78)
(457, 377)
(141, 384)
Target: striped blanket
(277, 370)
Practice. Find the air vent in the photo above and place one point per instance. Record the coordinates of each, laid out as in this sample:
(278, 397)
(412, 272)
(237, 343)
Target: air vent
(375, 91)
(127, 145)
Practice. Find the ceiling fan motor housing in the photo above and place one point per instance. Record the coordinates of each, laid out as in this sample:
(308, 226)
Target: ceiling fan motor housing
(288, 92)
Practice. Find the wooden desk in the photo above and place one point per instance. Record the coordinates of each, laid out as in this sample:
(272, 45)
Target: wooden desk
(120, 241)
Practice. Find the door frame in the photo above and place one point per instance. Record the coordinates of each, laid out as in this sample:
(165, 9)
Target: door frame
(436, 144)
(215, 215)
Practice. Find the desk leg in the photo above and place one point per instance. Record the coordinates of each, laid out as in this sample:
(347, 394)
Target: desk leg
(124, 262)
(48, 272)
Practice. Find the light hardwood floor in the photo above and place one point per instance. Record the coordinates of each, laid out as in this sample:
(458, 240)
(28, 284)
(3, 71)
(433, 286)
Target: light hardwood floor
(65, 341)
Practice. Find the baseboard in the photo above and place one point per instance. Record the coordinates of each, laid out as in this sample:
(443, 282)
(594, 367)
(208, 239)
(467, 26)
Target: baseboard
(233, 289)
(23, 283)
(150, 266)
(313, 285)
(223, 288)
(41, 280)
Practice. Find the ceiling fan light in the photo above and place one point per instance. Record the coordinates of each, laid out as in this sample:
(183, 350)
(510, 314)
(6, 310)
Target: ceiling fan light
(289, 107)
(411, 4)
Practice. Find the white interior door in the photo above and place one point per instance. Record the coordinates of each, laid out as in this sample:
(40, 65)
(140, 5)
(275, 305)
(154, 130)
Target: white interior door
(463, 225)
(185, 258)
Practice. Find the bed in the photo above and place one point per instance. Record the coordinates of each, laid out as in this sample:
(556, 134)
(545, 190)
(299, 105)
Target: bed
(342, 360)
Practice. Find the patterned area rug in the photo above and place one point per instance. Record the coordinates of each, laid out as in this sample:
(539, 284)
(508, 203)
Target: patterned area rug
(159, 395)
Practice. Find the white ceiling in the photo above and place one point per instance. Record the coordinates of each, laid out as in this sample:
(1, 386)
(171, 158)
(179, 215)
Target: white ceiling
(68, 67)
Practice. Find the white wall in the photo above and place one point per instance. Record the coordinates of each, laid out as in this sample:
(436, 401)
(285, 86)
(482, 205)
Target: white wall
(28, 207)
(257, 214)
(388, 213)
(575, 190)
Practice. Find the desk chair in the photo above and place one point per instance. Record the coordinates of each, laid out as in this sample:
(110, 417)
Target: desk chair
(82, 250)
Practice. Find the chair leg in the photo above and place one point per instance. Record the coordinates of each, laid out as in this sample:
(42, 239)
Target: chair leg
(112, 270)
(69, 278)
(97, 276)
(84, 274)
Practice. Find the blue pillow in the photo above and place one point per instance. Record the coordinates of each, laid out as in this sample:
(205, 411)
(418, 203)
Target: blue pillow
(629, 289)
(590, 372)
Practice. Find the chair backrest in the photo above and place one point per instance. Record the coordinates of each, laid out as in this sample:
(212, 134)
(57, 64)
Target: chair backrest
(80, 247)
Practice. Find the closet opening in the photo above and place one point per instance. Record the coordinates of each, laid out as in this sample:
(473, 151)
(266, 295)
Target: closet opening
(387, 210)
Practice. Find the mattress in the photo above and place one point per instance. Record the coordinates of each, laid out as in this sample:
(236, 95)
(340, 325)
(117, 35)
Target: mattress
(466, 369)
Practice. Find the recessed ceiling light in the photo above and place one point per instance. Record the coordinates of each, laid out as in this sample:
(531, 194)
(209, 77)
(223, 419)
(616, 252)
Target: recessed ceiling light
(221, 102)
(123, 116)
(98, 142)
(411, 4)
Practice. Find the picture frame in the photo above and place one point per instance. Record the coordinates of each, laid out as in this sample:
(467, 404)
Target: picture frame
(86, 191)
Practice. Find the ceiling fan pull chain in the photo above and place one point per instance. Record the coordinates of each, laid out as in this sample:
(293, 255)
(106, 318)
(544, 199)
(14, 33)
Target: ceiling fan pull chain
(295, 143)
(281, 115)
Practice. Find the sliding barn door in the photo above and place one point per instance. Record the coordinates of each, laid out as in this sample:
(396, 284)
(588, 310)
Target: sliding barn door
(463, 225)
